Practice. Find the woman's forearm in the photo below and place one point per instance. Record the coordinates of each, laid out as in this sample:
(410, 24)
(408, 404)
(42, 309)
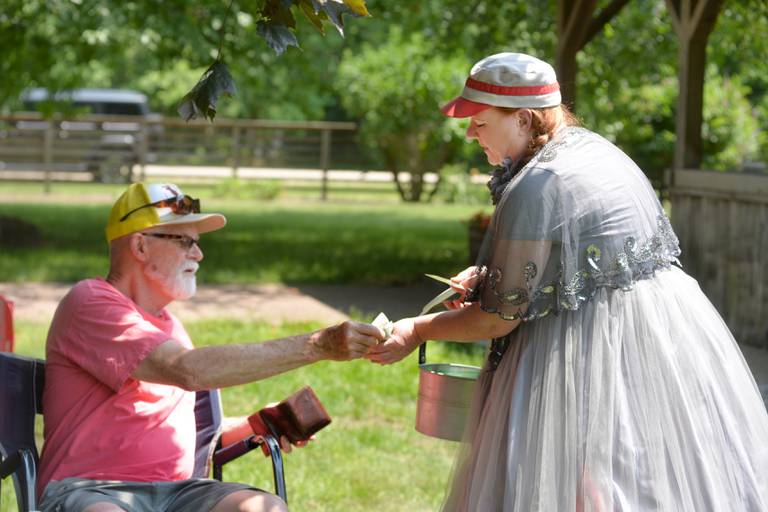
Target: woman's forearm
(465, 324)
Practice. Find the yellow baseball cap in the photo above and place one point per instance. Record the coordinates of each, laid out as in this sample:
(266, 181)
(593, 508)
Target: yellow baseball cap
(144, 206)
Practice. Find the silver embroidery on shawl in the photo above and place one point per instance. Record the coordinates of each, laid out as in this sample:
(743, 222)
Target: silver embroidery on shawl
(550, 149)
(635, 262)
(503, 177)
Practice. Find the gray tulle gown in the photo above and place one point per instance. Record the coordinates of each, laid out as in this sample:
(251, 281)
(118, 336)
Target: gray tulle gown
(622, 389)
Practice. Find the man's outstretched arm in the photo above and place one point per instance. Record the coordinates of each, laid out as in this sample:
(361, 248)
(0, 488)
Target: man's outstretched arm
(229, 365)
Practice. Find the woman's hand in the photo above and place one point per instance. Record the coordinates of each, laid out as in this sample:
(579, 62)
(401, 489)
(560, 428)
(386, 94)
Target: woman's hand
(403, 341)
(464, 283)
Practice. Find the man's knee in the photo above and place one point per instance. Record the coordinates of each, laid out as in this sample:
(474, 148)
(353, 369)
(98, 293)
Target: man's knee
(271, 503)
(251, 501)
(103, 507)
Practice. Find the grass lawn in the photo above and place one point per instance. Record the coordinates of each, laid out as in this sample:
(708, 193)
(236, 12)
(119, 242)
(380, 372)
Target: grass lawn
(369, 458)
(293, 240)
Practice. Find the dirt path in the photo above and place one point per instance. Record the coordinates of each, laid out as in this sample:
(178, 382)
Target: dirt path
(326, 304)
(277, 303)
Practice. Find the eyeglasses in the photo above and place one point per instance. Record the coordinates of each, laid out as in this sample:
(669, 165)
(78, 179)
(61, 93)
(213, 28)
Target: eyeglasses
(183, 241)
(180, 205)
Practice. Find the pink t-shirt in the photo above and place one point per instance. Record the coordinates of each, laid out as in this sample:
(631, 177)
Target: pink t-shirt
(101, 423)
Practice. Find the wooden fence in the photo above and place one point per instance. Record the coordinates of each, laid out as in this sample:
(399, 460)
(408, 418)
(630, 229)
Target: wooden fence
(109, 148)
(722, 222)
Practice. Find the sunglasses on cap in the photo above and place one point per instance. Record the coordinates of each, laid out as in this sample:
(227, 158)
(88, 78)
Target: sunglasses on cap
(180, 205)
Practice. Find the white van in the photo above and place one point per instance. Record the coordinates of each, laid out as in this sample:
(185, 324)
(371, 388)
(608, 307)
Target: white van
(114, 147)
(119, 102)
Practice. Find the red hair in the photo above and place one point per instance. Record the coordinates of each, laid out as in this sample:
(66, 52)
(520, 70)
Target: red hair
(544, 122)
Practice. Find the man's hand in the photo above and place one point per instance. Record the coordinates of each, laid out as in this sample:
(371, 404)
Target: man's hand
(286, 445)
(346, 341)
(403, 341)
(463, 283)
(235, 429)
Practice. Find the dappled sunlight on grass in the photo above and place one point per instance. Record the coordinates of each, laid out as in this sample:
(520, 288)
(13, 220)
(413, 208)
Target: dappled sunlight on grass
(387, 244)
(370, 457)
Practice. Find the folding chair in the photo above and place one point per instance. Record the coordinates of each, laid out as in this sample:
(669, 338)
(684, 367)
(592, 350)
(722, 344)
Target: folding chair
(22, 381)
(208, 415)
(21, 393)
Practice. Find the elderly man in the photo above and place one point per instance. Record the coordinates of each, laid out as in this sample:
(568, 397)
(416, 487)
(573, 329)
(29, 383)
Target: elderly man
(121, 370)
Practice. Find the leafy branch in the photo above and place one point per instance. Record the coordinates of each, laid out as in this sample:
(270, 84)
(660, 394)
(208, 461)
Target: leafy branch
(276, 25)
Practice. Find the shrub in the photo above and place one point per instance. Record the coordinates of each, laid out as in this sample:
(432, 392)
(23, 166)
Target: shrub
(396, 88)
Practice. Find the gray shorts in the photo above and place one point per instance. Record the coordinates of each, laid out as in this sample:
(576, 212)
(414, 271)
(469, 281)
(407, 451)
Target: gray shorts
(194, 495)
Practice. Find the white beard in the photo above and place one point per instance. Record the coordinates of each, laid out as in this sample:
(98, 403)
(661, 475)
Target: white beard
(180, 286)
(184, 286)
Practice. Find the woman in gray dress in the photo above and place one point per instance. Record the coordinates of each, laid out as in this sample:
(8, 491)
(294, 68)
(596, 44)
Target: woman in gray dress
(612, 383)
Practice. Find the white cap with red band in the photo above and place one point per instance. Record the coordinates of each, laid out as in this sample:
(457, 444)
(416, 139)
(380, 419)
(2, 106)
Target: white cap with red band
(513, 80)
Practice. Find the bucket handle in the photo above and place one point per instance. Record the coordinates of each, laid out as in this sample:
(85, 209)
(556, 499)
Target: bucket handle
(422, 353)
(441, 297)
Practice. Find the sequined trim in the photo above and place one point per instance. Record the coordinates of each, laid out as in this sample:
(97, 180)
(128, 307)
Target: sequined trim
(635, 262)
(503, 177)
(550, 150)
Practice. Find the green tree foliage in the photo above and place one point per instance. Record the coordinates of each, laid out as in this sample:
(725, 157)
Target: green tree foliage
(396, 89)
(628, 80)
(412, 58)
(276, 24)
(475, 28)
(738, 50)
(73, 43)
(730, 129)
(627, 85)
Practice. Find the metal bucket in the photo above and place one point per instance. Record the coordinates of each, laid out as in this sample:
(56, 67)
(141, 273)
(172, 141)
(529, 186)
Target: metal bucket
(445, 397)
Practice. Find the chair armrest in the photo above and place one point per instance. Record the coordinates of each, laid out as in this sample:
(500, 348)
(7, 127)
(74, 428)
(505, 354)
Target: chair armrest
(22, 462)
(229, 453)
(10, 464)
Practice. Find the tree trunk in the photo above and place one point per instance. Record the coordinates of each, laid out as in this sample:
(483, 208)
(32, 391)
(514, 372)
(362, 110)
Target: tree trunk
(576, 26)
(692, 56)
(693, 21)
(417, 186)
(567, 70)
